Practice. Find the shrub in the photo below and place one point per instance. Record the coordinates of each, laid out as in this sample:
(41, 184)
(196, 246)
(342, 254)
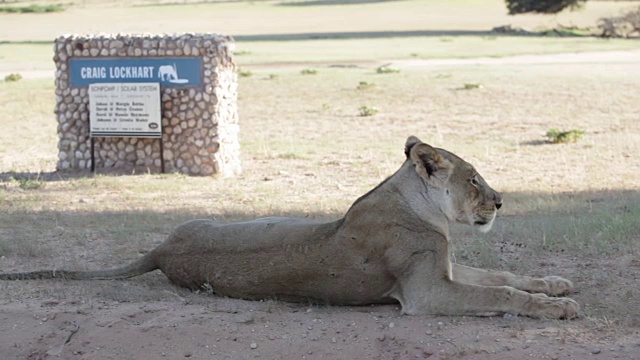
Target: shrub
(367, 111)
(244, 73)
(559, 136)
(309, 72)
(12, 77)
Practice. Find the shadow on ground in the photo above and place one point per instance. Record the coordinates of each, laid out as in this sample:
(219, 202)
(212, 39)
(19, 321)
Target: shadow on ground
(589, 237)
(333, 2)
(378, 35)
(345, 35)
(53, 176)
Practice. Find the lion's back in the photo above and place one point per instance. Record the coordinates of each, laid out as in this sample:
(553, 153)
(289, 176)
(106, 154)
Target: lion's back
(256, 234)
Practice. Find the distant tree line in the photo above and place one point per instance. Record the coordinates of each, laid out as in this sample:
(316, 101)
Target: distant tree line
(540, 6)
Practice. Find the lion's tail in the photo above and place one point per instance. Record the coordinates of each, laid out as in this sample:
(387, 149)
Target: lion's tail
(138, 267)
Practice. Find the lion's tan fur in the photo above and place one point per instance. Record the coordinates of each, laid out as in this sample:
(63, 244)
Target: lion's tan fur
(391, 245)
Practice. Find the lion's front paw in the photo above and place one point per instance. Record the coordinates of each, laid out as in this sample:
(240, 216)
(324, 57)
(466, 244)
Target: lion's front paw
(552, 285)
(543, 306)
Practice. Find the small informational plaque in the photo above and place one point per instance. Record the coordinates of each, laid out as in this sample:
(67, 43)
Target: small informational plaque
(125, 110)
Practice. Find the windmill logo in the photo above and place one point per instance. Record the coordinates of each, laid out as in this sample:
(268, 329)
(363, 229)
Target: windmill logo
(170, 73)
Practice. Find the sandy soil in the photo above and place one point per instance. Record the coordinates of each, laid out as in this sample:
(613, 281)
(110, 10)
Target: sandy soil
(198, 326)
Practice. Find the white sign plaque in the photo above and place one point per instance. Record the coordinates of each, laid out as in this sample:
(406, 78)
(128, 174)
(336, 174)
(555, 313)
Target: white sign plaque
(125, 110)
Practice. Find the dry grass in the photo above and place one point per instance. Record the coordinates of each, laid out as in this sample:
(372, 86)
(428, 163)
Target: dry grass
(28, 124)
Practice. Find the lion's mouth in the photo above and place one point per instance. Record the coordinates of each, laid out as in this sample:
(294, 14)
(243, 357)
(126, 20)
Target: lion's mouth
(484, 225)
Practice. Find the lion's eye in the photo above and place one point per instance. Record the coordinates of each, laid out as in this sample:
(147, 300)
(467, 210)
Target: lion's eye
(474, 181)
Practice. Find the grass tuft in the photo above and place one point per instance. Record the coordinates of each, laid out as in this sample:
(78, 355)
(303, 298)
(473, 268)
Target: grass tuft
(561, 136)
(364, 85)
(472, 86)
(13, 77)
(367, 110)
(5, 249)
(31, 184)
(289, 156)
(386, 69)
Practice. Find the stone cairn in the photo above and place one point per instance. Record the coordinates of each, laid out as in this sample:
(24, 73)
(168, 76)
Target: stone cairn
(199, 125)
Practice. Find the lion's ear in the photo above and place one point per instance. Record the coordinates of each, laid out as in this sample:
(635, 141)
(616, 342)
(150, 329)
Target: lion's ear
(430, 165)
(411, 141)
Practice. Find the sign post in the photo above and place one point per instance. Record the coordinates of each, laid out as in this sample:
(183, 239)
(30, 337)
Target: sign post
(125, 110)
(194, 112)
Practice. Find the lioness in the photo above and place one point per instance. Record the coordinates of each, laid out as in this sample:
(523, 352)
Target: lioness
(392, 245)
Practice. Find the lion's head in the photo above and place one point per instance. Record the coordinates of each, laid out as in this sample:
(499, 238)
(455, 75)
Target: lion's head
(472, 201)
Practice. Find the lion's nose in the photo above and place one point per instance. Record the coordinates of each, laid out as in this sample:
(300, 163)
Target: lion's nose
(498, 199)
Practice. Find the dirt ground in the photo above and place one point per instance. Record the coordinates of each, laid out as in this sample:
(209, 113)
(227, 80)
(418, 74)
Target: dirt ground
(197, 326)
(148, 318)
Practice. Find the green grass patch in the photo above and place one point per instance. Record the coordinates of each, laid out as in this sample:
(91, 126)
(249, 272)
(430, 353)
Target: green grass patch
(31, 184)
(421, 47)
(607, 232)
(309, 72)
(34, 8)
